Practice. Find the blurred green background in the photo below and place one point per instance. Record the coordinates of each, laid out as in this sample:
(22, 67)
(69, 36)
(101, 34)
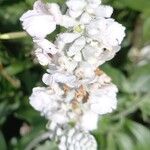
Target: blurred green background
(126, 129)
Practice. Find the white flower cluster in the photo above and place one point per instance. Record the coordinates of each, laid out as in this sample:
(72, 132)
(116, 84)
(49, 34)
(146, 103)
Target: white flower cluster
(77, 140)
(77, 92)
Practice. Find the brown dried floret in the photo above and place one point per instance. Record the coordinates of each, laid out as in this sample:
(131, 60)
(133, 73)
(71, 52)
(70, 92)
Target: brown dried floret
(99, 72)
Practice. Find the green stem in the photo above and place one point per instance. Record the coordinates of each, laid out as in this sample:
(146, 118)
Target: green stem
(12, 35)
(37, 140)
(14, 82)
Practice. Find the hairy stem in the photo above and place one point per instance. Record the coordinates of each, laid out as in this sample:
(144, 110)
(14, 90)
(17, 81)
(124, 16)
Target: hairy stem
(12, 35)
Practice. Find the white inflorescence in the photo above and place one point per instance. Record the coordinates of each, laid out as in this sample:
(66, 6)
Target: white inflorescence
(76, 89)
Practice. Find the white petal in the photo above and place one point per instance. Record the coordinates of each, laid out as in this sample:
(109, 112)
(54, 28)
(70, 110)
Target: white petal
(39, 98)
(59, 78)
(75, 14)
(68, 21)
(89, 125)
(103, 100)
(76, 4)
(37, 25)
(89, 53)
(38, 22)
(46, 46)
(117, 33)
(67, 64)
(40, 7)
(78, 57)
(47, 79)
(85, 18)
(43, 58)
(104, 11)
(68, 37)
(76, 46)
(59, 118)
(54, 9)
(94, 3)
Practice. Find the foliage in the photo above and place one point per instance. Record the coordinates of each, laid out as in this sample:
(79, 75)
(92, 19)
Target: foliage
(125, 129)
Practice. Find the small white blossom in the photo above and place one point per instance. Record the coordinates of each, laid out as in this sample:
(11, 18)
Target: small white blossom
(68, 21)
(78, 7)
(49, 103)
(103, 11)
(77, 46)
(106, 31)
(42, 20)
(77, 140)
(75, 7)
(89, 125)
(44, 100)
(85, 71)
(95, 43)
(67, 64)
(42, 57)
(57, 77)
(103, 99)
(46, 46)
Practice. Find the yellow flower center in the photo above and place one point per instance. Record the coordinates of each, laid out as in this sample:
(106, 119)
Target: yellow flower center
(79, 28)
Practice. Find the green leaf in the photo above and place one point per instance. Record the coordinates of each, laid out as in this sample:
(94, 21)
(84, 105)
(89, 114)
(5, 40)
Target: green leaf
(140, 79)
(27, 140)
(124, 141)
(2, 142)
(111, 142)
(146, 30)
(48, 145)
(145, 107)
(139, 5)
(6, 109)
(141, 135)
(18, 67)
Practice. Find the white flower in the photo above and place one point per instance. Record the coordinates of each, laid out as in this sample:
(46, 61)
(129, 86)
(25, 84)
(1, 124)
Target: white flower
(60, 117)
(78, 7)
(49, 102)
(94, 3)
(103, 99)
(46, 46)
(89, 121)
(68, 37)
(77, 46)
(67, 64)
(96, 42)
(98, 55)
(65, 78)
(55, 130)
(43, 58)
(45, 51)
(103, 11)
(106, 31)
(75, 7)
(68, 21)
(42, 20)
(77, 140)
(85, 70)
(45, 100)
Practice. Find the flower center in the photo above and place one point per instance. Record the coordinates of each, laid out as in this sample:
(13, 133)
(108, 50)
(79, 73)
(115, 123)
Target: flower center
(79, 28)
